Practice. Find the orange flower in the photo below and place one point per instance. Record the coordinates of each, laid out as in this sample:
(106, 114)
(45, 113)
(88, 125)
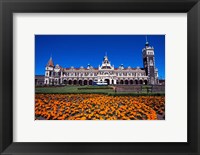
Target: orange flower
(96, 106)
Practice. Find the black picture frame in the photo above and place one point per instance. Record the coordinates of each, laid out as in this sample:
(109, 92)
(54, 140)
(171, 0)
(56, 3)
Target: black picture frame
(8, 7)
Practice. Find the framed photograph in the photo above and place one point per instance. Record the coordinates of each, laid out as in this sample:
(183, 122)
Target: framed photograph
(100, 92)
(99, 77)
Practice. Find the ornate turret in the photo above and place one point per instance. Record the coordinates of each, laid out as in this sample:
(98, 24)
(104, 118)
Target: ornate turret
(49, 72)
(106, 63)
(105, 60)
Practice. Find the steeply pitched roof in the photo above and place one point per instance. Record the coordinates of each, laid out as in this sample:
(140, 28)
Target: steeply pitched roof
(50, 63)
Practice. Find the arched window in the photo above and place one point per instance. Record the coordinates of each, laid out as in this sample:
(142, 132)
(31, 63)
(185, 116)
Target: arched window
(75, 82)
(85, 82)
(70, 82)
(90, 82)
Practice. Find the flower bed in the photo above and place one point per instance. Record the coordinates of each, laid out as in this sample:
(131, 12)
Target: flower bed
(97, 107)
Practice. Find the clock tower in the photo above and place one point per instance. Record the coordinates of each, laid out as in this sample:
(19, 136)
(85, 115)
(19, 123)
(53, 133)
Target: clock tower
(149, 63)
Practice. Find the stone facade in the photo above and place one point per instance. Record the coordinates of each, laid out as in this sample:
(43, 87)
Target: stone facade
(105, 74)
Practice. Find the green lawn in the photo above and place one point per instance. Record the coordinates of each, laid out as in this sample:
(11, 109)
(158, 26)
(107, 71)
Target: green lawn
(91, 90)
(136, 94)
(74, 89)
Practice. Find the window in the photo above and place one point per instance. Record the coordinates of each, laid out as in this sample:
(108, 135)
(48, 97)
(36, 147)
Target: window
(151, 62)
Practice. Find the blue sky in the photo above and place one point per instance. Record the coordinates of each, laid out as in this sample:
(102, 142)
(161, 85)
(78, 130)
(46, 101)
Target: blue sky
(80, 50)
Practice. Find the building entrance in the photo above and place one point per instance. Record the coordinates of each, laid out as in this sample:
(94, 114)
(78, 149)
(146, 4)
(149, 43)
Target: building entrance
(107, 81)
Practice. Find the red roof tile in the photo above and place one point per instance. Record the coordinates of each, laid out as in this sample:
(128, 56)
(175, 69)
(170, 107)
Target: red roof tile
(50, 63)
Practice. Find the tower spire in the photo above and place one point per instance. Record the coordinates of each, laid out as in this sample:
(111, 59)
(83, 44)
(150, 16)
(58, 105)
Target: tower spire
(50, 62)
(147, 43)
